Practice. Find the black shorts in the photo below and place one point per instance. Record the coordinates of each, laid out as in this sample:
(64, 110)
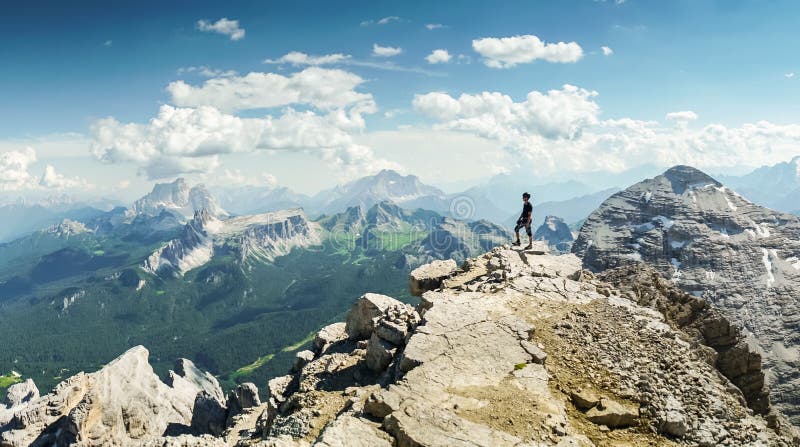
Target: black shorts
(520, 225)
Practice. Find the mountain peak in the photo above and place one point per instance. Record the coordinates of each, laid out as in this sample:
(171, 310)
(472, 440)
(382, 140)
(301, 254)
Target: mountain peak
(685, 177)
(179, 197)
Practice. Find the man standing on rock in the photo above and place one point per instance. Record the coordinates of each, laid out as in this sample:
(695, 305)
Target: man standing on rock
(525, 220)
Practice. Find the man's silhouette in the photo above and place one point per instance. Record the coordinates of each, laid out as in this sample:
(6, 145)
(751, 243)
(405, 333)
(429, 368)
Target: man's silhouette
(524, 220)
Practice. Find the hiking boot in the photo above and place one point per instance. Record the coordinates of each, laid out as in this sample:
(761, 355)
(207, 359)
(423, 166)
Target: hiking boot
(515, 243)
(529, 246)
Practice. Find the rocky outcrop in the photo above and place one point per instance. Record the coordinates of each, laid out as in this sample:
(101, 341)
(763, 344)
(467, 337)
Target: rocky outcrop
(715, 245)
(124, 403)
(556, 233)
(257, 238)
(430, 276)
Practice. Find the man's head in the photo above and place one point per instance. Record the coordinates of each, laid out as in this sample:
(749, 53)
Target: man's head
(526, 197)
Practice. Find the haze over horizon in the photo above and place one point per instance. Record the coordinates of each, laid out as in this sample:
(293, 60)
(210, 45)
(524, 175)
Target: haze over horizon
(309, 95)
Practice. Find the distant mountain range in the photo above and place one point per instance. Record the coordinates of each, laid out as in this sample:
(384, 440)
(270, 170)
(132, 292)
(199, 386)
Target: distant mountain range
(776, 187)
(202, 282)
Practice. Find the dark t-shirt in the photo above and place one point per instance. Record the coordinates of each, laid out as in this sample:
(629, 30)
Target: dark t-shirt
(527, 209)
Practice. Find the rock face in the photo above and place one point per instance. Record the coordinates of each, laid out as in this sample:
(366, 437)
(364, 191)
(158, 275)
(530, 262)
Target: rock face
(714, 244)
(556, 233)
(261, 237)
(124, 403)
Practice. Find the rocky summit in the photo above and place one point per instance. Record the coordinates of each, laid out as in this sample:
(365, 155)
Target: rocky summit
(512, 348)
(711, 242)
(262, 236)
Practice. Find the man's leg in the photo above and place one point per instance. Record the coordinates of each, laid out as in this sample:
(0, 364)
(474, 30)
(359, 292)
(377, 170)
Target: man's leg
(516, 232)
(530, 237)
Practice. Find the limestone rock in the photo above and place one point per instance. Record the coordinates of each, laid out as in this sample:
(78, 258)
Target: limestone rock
(350, 431)
(301, 359)
(430, 276)
(123, 403)
(242, 397)
(21, 393)
(612, 414)
(329, 335)
(208, 415)
(363, 315)
(584, 399)
(537, 354)
(379, 353)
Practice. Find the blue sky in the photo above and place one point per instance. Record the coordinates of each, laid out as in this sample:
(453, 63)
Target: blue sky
(68, 65)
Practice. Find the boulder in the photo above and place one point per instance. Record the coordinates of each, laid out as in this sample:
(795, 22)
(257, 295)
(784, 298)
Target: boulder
(674, 424)
(584, 399)
(278, 387)
(612, 414)
(301, 359)
(208, 415)
(329, 335)
(430, 276)
(379, 353)
(394, 333)
(364, 314)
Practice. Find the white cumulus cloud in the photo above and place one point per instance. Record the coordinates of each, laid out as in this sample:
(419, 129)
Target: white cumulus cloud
(438, 57)
(222, 26)
(15, 174)
(53, 180)
(556, 114)
(507, 52)
(433, 26)
(607, 51)
(297, 58)
(380, 51)
(14, 165)
(191, 140)
(319, 87)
